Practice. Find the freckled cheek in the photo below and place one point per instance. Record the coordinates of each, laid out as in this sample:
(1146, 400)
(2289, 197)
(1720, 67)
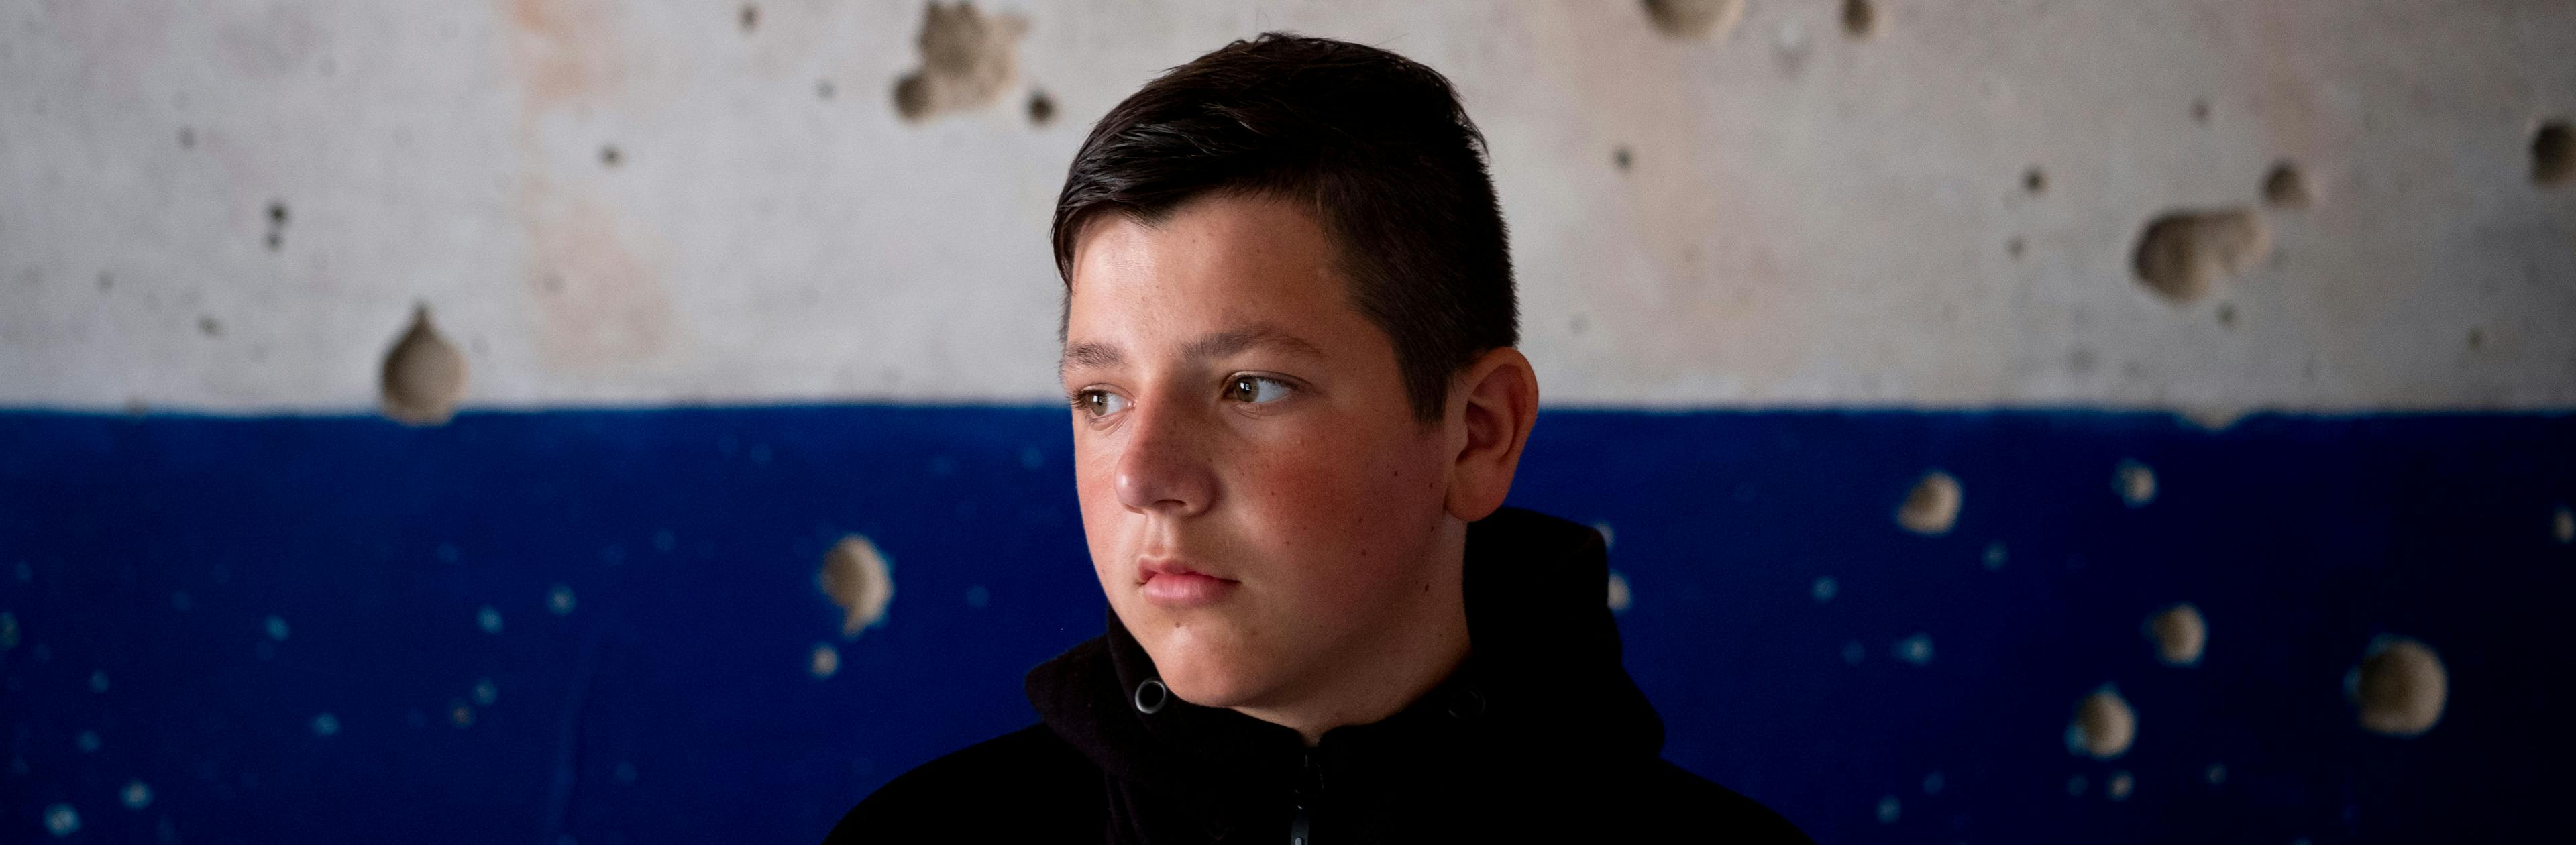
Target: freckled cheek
(1095, 477)
(1342, 515)
(1095, 484)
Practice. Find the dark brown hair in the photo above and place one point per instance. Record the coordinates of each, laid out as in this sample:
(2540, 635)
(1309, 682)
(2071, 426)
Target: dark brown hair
(1374, 144)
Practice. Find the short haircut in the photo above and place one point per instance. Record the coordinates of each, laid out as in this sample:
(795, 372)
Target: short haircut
(1374, 144)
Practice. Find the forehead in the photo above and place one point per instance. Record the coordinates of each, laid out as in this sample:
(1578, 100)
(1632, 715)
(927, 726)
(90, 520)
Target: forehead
(1223, 259)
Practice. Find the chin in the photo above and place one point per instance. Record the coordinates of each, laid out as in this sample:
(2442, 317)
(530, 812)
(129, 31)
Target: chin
(1208, 677)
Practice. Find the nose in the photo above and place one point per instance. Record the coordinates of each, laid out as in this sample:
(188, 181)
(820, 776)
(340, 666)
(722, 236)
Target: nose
(1163, 469)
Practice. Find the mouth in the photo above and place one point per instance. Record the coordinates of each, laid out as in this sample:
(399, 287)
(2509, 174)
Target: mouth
(1173, 584)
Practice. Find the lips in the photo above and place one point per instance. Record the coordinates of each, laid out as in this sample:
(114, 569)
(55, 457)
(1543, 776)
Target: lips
(1173, 584)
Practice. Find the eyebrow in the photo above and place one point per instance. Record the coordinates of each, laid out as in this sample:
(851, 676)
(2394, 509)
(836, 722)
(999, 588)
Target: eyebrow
(1224, 344)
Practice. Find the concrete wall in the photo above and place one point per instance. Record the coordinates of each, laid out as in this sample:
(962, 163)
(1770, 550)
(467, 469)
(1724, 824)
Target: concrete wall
(236, 206)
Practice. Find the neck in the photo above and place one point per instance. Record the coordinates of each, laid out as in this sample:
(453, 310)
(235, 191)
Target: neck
(1388, 669)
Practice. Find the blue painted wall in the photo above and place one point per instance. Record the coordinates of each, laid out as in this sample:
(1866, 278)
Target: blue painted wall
(652, 574)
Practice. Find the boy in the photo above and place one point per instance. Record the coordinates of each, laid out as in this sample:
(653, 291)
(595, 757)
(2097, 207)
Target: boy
(1296, 411)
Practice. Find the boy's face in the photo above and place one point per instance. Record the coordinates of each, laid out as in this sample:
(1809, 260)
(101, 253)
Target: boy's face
(1260, 502)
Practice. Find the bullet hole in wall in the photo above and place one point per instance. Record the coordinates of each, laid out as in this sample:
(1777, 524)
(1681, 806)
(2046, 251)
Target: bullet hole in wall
(2181, 254)
(2200, 111)
(1916, 649)
(208, 326)
(2226, 315)
(2553, 154)
(823, 88)
(2180, 635)
(2400, 687)
(62, 820)
(423, 376)
(967, 59)
(823, 661)
(276, 224)
(2034, 181)
(2103, 727)
(750, 17)
(1041, 108)
(1859, 17)
(1695, 18)
(609, 156)
(857, 578)
(1932, 506)
(1622, 158)
(2013, 246)
(2477, 339)
(2135, 483)
(2284, 187)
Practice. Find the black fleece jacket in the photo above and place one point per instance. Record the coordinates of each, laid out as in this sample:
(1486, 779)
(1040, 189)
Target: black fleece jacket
(1539, 735)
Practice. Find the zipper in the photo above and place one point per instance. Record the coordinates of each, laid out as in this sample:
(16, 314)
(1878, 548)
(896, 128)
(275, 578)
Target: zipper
(1310, 785)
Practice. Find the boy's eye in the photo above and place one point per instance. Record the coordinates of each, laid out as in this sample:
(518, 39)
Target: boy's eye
(1254, 390)
(1100, 403)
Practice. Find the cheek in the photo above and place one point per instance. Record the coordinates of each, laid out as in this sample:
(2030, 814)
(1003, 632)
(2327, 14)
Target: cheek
(1350, 516)
(1095, 485)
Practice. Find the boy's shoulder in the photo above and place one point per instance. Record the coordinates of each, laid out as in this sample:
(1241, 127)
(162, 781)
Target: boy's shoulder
(1022, 785)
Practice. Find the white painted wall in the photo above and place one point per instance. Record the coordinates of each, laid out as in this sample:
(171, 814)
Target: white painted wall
(1810, 218)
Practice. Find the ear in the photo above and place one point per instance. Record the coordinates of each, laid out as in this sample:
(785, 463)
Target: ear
(1491, 408)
